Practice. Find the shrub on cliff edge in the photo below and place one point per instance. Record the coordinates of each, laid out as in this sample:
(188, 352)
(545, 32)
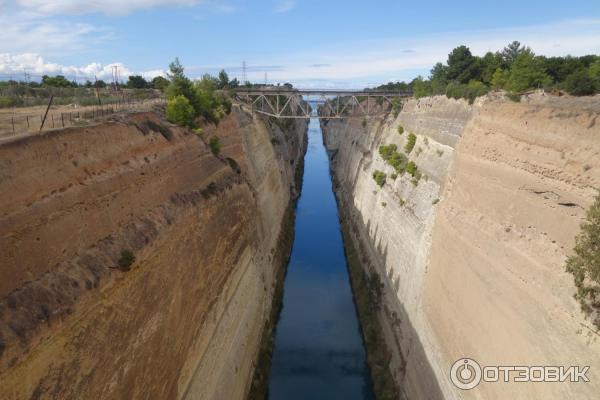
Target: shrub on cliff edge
(215, 145)
(585, 263)
(410, 143)
(379, 177)
(126, 260)
(180, 111)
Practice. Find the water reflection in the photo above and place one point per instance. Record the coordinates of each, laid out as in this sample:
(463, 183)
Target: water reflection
(318, 349)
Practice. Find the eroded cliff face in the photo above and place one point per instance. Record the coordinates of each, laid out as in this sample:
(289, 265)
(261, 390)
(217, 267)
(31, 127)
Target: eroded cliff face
(186, 319)
(473, 255)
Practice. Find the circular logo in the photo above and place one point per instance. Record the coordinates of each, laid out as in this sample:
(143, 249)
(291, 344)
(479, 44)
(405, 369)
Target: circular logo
(465, 373)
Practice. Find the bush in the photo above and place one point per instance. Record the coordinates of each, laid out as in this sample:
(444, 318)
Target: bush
(579, 83)
(400, 129)
(379, 177)
(126, 260)
(470, 91)
(199, 132)
(386, 151)
(180, 111)
(398, 161)
(411, 168)
(585, 263)
(410, 143)
(393, 158)
(215, 145)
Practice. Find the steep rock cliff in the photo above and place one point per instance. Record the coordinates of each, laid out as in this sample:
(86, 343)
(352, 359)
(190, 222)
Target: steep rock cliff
(473, 254)
(185, 319)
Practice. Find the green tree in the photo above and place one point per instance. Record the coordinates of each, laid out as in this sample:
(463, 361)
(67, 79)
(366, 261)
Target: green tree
(584, 264)
(439, 78)
(511, 52)
(180, 85)
(421, 88)
(527, 72)
(137, 82)
(579, 83)
(56, 81)
(500, 79)
(223, 80)
(160, 83)
(489, 64)
(462, 66)
(180, 111)
(595, 73)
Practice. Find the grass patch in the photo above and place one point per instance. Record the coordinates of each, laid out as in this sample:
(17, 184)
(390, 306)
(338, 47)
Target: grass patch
(400, 129)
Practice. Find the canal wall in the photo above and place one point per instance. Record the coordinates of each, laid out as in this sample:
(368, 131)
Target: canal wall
(185, 318)
(472, 254)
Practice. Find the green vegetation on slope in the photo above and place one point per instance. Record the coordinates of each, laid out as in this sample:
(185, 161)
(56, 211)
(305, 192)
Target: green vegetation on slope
(201, 95)
(585, 263)
(410, 143)
(379, 177)
(515, 68)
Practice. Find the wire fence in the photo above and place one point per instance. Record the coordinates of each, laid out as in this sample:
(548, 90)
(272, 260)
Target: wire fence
(27, 121)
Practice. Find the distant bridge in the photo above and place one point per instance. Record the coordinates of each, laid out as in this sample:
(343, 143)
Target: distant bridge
(334, 104)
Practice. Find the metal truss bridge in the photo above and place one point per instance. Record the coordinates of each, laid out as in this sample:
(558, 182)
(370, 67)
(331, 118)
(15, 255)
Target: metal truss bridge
(332, 104)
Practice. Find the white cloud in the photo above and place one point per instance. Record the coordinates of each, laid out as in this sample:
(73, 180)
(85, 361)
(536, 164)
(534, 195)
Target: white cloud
(285, 6)
(371, 62)
(109, 7)
(17, 64)
(27, 32)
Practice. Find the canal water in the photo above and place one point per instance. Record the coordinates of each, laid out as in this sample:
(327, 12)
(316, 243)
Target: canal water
(318, 352)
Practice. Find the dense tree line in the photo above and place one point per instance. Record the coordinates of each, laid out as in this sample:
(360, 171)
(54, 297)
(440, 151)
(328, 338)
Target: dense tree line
(516, 69)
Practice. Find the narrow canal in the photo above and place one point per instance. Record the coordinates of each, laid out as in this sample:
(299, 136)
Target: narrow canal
(318, 352)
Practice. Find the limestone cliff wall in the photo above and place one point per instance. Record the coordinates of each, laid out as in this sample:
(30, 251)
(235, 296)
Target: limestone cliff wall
(473, 254)
(185, 321)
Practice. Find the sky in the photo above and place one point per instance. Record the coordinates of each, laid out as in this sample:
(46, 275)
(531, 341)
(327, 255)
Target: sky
(310, 43)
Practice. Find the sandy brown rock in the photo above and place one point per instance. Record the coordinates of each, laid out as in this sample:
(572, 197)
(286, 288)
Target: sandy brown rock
(72, 325)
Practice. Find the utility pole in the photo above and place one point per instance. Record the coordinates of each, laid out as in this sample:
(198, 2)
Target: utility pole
(266, 78)
(244, 77)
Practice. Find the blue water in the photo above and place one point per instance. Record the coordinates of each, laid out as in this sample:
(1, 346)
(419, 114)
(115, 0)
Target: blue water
(318, 352)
